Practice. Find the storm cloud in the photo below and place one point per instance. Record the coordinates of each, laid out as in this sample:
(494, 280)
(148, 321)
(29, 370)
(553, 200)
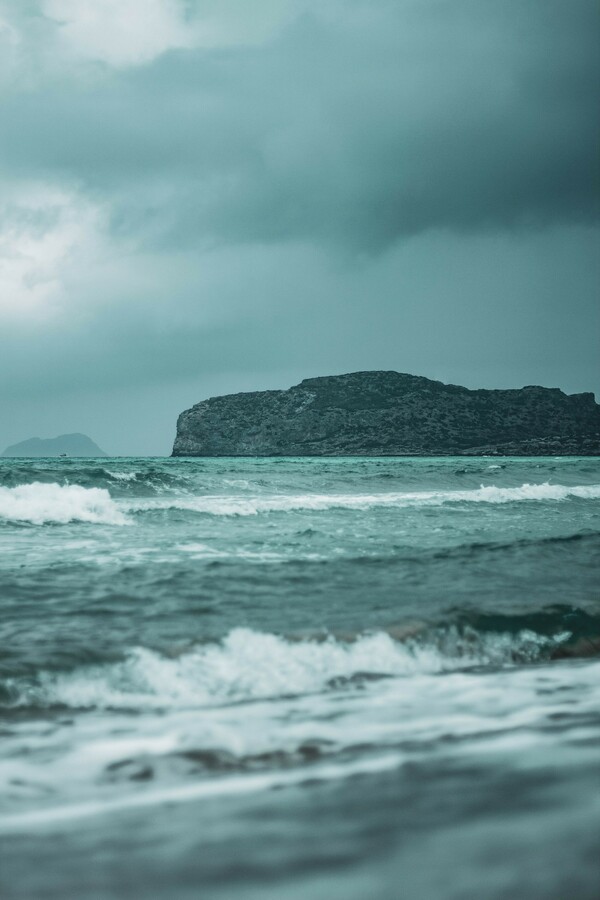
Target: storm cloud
(196, 197)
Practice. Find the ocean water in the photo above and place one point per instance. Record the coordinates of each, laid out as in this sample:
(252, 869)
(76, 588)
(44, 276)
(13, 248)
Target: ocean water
(300, 678)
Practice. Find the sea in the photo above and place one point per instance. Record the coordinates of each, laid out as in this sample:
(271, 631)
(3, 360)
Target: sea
(295, 679)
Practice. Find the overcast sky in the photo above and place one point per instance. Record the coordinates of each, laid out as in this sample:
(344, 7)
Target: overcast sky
(205, 196)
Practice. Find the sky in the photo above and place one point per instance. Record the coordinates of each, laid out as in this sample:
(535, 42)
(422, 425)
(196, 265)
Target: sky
(201, 197)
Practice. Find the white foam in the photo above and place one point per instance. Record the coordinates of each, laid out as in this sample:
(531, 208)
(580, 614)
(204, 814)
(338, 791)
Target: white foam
(250, 506)
(39, 503)
(249, 665)
(122, 476)
(222, 787)
(73, 773)
(203, 551)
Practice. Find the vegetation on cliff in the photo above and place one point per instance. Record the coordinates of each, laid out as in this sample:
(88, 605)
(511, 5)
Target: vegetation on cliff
(389, 414)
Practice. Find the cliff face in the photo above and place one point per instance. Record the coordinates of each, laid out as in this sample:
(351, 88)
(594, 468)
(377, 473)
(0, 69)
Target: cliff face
(389, 414)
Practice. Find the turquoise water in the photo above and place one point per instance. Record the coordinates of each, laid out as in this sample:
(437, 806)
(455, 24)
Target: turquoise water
(299, 678)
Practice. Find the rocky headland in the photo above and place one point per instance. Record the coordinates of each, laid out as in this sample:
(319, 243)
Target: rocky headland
(391, 414)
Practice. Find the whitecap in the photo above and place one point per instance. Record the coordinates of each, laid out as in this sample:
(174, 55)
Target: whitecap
(40, 503)
(249, 665)
(251, 506)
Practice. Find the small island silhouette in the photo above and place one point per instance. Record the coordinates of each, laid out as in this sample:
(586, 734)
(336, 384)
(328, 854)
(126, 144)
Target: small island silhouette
(64, 445)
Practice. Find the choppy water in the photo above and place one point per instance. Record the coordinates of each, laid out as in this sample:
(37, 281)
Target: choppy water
(282, 678)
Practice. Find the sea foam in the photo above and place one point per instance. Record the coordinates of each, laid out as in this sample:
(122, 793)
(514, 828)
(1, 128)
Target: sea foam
(250, 506)
(40, 503)
(249, 665)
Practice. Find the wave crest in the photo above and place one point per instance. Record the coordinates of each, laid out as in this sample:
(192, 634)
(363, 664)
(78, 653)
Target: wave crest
(248, 665)
(251, 506)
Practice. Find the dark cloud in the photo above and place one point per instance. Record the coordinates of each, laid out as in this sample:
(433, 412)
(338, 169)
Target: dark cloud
(385, 121)
(376, 184)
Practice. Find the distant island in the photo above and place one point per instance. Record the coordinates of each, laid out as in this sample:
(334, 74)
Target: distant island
(391, 414)
(63, 445)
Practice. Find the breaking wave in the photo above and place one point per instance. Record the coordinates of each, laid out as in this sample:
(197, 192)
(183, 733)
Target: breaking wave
(39, 503)
(249, 506)
(249, 665)
(49, 502)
